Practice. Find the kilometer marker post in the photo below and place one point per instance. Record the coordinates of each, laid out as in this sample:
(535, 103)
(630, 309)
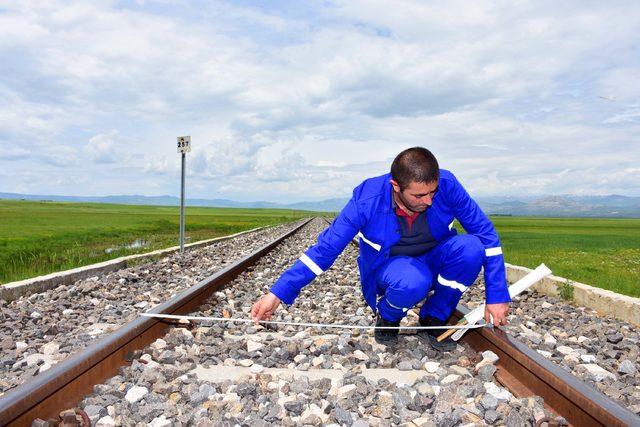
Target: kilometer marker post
(184, 146)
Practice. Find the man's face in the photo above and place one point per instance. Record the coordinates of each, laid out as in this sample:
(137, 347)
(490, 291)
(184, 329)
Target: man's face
(417, 196)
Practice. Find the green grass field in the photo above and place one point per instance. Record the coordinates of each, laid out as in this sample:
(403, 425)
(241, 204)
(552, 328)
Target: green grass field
(599, 252)
(42, 237)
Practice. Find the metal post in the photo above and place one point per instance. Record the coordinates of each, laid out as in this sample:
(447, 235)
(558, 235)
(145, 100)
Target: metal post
(182, 206)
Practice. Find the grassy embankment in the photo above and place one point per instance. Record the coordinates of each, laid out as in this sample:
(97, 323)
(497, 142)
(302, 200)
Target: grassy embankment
(42, 237)
(600, 252)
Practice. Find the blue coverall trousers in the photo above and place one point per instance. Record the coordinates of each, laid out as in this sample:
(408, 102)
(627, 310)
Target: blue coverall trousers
(448, 269)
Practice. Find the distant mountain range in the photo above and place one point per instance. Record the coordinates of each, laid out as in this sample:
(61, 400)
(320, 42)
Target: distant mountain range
(613, 206)
(329, 205)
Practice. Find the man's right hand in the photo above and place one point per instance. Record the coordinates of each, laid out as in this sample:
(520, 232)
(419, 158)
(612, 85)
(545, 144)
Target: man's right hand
(263, 309)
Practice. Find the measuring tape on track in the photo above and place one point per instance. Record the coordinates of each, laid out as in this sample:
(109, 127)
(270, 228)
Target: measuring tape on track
(303, 324)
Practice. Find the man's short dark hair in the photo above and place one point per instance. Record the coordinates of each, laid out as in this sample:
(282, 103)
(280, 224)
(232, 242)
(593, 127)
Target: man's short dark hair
(416, 164)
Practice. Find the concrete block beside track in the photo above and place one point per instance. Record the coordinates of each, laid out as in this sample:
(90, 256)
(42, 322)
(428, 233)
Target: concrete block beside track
(605, 302)
(14, 290)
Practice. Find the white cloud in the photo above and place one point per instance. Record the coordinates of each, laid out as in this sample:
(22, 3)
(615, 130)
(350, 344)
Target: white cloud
(631, 115)
(59, 156)
(158, 165)
(103, 147)
(13, 153)
(306, 102)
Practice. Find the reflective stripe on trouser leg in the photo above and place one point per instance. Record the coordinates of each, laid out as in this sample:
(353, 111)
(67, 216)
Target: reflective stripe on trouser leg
(390, 312)
(444, 300)
(402, 281)
(461, 259)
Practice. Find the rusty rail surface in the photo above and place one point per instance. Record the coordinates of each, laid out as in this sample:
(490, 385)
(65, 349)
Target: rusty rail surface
(65, 384)
(525, 372)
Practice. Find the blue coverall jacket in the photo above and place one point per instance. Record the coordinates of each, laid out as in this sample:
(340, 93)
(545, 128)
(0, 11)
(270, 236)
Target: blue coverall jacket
(370, 216)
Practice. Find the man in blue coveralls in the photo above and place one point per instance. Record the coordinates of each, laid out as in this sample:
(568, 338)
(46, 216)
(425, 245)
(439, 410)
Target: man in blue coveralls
(409, 249)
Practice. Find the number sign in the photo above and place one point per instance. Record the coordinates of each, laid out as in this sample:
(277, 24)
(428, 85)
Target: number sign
(184, 144)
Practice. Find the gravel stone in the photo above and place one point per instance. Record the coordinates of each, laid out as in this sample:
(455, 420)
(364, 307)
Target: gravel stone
(256, 368)
(491, 416)
(160, 421)
(50, 348)
(627, 367)
(384, 405)
(7, 344)
(253, 346)
(596, 372)
(486, 372)
(295, 407)
(136, 393)
(343, 417)
(106, 421)
(489, 401)
(514, 419)
(431, 367)
(498, 392)
(450, 379)
(615, 338)
(360, 355)
(546, 354)
(346, 391)
(405, 366)
(490, 356)
(424, 422)
(95, 412)
(564, 350)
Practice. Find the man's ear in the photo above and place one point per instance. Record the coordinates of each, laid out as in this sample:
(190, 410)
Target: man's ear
(395, 185)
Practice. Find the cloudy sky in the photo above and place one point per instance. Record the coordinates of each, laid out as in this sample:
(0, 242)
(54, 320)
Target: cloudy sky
(301, 100)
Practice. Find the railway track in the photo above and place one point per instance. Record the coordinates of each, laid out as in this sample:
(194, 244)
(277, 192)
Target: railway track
(520, 369)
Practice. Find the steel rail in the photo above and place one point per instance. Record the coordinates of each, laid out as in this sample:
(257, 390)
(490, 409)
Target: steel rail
(66, 383)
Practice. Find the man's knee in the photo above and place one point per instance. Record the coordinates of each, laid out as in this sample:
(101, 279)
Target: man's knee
(471, 250)
(417, 286)
(409, 277)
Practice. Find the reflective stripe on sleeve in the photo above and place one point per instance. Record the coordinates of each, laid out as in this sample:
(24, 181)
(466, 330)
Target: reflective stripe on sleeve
(375, 246)
(312, 265)
(494, 251)
(451, 283)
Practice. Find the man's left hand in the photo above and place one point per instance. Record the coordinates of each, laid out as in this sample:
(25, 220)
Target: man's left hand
(498, 312)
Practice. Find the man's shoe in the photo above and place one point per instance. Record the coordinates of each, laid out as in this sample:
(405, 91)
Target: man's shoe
(385, 336)
(431, 335)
